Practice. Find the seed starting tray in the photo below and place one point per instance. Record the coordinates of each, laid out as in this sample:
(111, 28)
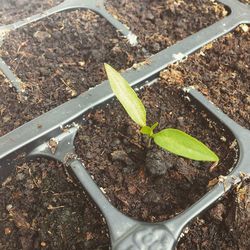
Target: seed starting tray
(33, 139)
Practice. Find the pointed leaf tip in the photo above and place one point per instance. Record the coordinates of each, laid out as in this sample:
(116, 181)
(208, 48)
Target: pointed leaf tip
(126, 95)
(180, 143)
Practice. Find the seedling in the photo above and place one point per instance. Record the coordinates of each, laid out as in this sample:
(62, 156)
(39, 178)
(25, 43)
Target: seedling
(170, 139)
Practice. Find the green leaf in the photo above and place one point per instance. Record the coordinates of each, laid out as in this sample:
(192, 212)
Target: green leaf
(154, 125)
(180, 143)
(146, 130)
(127, 96)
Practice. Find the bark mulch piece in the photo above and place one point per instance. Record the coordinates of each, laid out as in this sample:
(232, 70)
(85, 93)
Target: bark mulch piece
(15, 10)
(41, 207)
(60, 57)
(161, 23)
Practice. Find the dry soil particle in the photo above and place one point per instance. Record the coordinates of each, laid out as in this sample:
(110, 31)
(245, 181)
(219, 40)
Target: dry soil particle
(41, 208)
(221, 71)
(59, 57)
(161, 23)
(131, 189)
(15, 10)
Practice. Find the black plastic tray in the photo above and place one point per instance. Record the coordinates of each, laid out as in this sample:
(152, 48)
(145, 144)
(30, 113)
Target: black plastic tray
(31, 140)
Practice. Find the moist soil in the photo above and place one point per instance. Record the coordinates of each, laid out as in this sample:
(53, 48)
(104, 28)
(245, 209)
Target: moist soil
(116, 155)
(15, 10)
(41, 207)
(57, 59)
(161, 23)
(62, 56)
(225, 226)
(221, 72)
(37, 205)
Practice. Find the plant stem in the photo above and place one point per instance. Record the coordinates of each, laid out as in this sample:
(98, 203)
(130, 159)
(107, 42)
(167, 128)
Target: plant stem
(149, 142)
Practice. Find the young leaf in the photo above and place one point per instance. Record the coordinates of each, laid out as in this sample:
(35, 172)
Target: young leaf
(127, 96)
(180, 143)
(154, 125)
(146, 130)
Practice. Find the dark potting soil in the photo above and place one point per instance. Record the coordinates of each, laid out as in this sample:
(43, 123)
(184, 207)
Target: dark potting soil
(58, 58)
(16, 10)
(115, 154)
(226, 225)
(42, 208)
(61, 56)
(13, 107)
(161, 23)
(221, 71)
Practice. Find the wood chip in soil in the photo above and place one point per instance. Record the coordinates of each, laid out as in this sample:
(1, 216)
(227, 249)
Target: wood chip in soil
(60, 57)
(42, 208)
(221, 71)
(161, 23)
(108, 133)
(15, 10)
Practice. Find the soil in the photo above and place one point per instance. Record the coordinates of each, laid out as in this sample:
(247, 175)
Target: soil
(225, 226)
(114, 152)
(15, 10)
(57, 59)
(161, 23)
(62, 56)
(41, 207)
(45, 213)
(221, 72)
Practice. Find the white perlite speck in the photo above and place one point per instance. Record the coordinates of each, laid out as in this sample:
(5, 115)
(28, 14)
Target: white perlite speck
(132, 38)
